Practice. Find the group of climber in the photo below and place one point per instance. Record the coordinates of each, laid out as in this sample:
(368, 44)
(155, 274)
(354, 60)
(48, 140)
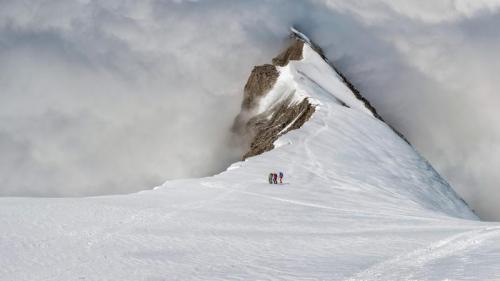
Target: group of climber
(273, 178)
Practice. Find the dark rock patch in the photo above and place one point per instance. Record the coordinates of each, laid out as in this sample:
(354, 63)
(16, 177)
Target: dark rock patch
(261, 80)
(294, 52)
(259, 132)
(267, 127)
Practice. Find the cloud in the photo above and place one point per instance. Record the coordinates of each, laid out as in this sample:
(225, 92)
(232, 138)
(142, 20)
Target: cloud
(114, 96)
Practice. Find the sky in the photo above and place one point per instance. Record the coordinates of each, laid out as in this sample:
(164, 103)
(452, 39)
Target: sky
(100, 97)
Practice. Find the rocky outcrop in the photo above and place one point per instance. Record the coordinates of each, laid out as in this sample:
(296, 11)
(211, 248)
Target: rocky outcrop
(267, 127)
(294, 52)
(263, 77)
(263, 129)
(261, 80)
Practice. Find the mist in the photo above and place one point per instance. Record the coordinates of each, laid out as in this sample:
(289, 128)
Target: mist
(101, 97)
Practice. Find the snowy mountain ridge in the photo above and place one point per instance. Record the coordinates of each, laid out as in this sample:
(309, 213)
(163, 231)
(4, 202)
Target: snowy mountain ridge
(274, 103)
(358, 203)
(307, 76)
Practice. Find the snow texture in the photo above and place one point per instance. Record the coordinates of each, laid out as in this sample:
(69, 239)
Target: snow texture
(359, 203)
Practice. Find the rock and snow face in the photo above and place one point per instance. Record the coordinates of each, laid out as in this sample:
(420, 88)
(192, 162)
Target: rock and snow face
(275, 104)
(359, 203)
(272, 104)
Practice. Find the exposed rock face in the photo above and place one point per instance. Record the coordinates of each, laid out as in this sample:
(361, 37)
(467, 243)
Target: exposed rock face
(269, 126)
(294, 52)
(261, 80)
(263, 129)
(263, 77)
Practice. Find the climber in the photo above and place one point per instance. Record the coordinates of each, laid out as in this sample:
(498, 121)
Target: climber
(281, 177)
(271, 178)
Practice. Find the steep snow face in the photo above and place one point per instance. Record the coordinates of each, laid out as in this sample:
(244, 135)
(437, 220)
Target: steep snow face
(372, 153)
(358, 203)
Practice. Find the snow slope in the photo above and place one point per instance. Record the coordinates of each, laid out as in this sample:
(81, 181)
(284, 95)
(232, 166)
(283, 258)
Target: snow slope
(359, 203)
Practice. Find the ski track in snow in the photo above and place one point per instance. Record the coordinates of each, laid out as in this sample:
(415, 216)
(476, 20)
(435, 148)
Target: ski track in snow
(403, 267)
(317, 167)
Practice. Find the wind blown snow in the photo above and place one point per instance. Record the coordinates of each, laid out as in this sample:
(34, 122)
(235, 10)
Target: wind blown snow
(114, 96)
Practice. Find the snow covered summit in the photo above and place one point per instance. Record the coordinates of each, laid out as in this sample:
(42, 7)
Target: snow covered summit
(301, 84)
(358, 203)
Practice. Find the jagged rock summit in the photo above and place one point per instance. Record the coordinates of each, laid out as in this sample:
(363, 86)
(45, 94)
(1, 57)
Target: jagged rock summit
(267, 114)
(358, 203)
